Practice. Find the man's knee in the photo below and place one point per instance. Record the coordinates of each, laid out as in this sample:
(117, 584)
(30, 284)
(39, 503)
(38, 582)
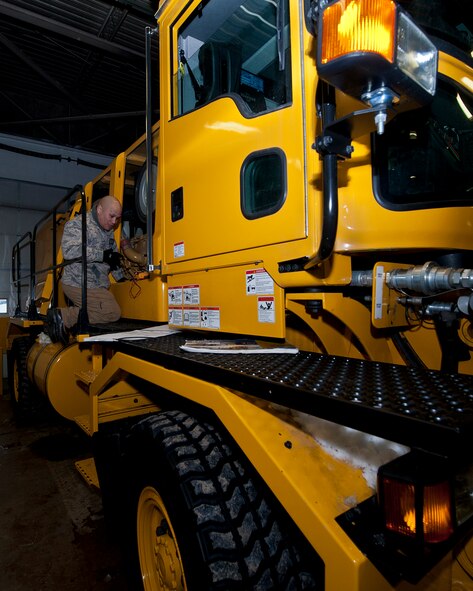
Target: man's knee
(114, 314)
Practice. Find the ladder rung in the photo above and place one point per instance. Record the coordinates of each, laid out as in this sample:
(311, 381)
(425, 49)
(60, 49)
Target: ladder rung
(84, 423)
(87, 377)
(88, 471)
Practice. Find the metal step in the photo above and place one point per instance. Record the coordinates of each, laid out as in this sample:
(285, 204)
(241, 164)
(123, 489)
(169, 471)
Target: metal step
(88, 471)
(418, 408)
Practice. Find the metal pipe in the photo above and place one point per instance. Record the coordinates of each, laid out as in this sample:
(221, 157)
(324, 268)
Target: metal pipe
(83, 318)
(330, 186)
(149, 148)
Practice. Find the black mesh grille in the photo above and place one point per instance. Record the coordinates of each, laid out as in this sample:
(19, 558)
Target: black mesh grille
(415, 407)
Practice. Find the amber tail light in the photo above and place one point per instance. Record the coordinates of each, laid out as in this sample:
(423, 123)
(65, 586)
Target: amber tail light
(416, 498)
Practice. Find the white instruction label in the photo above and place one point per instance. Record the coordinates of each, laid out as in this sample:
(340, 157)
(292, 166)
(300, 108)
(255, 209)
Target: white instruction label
(378, 293)
(175, 296)
(210, 317)
(258, 281)
(192, 316)
(175, 316)
(191, 295)
(178, 249)
(266, 311)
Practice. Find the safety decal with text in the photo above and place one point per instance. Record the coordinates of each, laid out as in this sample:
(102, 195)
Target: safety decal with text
(174, 296)
(179, 249)
(210, 317)
(175, 316)
(266, 311)
(191, 294)
(258, 281)
(192, 316)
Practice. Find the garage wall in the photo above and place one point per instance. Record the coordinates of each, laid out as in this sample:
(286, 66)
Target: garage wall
(34, 176)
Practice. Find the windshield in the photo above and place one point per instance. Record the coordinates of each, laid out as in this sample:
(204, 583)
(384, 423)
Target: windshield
(425, 157)
(447, 20)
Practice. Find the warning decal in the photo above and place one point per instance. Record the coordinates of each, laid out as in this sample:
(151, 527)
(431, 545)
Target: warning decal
(266, 311)
(178, 250)
(175, 316)
(175, 296)
(258, 281)
(191, 295)
(210, 317)
(192, 316)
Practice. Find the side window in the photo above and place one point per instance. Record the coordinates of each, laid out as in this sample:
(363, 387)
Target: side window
(263, 183)
(238, 48)
(101, 187)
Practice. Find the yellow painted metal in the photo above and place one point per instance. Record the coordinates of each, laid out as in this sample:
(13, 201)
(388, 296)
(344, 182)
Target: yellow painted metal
(339, 321)
(143, 299)
(240, 299)
(160, 558)
(88, 471)
(118, 400)
(52, 367)
(25, 323)
(213, 228)
(300, 474)
(462, 568)
(365, 225)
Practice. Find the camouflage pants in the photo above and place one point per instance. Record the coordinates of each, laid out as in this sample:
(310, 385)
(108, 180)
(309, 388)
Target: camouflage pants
(102, 306)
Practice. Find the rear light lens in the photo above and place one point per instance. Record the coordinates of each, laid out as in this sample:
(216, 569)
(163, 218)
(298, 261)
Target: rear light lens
(417, 511)
(416, 498)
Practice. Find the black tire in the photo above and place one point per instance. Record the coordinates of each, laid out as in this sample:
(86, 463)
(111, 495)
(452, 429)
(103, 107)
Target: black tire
(224, 525)
(27, 402)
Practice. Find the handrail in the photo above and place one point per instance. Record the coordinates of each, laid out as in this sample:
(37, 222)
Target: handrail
(16, 257)
(16, 267)
(51, 213)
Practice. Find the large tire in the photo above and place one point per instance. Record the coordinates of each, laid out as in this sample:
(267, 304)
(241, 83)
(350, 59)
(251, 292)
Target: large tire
(27, 402)
(205, 520)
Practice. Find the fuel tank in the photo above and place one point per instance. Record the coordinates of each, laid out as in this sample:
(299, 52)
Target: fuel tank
(52, 368)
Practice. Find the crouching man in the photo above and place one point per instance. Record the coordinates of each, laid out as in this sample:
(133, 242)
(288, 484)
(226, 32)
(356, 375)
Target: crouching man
(102, 258)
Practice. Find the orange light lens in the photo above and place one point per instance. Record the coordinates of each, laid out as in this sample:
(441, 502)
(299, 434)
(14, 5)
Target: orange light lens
(400, 510)
(359, 26)
(438, 523)
(399, 507)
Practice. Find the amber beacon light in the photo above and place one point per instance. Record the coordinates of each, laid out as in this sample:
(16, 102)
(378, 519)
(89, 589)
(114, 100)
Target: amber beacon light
(373, 51)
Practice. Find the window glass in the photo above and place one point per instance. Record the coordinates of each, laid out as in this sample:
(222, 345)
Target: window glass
(238, 48)
(450, 21)
(425, 157)
(263, 186)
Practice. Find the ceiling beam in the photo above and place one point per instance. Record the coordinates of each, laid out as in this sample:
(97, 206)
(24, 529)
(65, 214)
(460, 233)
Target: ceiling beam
(40, 71)
(43, 22)
(74, 118)
(132, 8)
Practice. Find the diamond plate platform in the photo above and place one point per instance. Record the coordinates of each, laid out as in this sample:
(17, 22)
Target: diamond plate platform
(418, 408)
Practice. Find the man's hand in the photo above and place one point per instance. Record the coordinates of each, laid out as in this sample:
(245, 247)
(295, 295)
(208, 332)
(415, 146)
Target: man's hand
(112, 259)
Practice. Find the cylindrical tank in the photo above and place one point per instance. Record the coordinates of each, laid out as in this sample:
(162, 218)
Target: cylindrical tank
(52, 368)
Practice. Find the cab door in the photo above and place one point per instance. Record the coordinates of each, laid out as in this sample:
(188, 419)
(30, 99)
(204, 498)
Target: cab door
(233, 158)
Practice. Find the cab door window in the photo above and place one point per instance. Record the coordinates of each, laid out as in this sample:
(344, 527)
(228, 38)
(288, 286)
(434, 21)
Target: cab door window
(234, 48)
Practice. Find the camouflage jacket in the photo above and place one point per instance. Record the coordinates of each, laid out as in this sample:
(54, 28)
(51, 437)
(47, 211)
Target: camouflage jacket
(98, 240)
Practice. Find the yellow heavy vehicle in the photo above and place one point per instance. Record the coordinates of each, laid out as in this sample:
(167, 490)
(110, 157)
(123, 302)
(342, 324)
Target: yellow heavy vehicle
(286, 402)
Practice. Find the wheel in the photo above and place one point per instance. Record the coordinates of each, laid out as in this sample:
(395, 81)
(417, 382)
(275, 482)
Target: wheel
(26, 400)
(204, 519)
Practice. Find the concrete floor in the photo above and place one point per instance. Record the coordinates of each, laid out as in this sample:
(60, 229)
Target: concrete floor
(52, 530)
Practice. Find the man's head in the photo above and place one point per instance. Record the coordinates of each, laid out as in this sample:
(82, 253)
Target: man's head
(109, 211)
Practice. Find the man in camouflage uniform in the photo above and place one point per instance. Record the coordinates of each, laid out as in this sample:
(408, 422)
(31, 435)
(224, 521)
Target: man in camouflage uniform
(102, 258)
